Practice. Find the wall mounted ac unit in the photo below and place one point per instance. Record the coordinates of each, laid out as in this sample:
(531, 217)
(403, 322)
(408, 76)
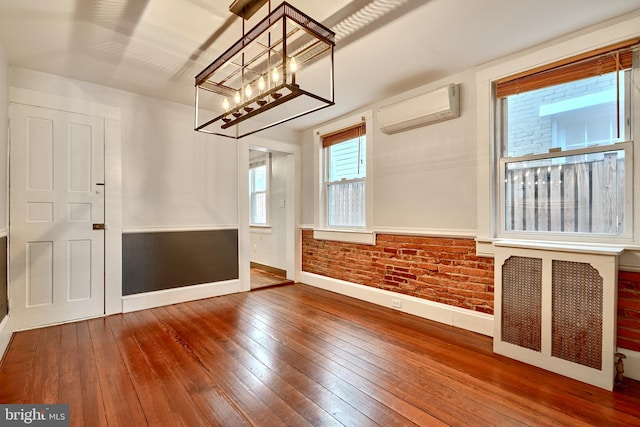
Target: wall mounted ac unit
(437, 106)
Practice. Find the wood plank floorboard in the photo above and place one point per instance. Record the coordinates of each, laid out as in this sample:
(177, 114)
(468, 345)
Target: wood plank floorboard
(17, 367)
(69, 367)
(351, 352)
(89, 396)
(261, 278)
(220, 368)
(248, 352)
(262, 400)
(319, 375)
(169, 382)
(477, 367)
(430, 372)
(292, 355)
(155, 402)
(118, 392)
(209, 397)
(427, 376)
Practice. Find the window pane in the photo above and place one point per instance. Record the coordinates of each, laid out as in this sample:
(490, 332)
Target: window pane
(347, 160)
(259, 178)
(569, 116)
(258, 193)
(259, 208)
(582, 194)
(345, 204)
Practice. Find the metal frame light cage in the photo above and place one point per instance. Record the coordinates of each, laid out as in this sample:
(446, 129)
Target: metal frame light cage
(273, 74)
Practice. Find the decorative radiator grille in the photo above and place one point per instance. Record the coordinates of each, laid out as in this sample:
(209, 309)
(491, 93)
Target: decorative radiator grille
(576, 333)
(522, 302)
(556, 309)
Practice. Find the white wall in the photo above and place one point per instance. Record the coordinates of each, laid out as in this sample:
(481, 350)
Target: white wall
(4, 97)
(268, 247)
(307, 183)
(172, 177)
(5, 327)
(424, 179)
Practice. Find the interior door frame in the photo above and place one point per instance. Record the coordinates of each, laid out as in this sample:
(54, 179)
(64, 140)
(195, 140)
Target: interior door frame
(113, 180)
(292, 207)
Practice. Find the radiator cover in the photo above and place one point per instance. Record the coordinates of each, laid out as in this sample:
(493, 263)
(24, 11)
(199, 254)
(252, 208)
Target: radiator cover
(556, 309)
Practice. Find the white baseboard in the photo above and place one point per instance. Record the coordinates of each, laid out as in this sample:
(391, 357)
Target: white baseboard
(459, 317)
(5, 334)
(178, 295)
(631, 363)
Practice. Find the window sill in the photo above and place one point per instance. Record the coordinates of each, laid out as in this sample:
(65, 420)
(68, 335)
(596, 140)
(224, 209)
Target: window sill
(260, 229)
(596, 249)
(347, 236)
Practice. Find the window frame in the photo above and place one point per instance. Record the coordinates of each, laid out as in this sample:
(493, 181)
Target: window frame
(329, 183)
(502, 159)
(253, 164)
(487, 135)
(322, 230)
(626, 146)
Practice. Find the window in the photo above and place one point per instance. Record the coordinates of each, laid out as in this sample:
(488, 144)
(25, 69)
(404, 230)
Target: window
(259, 187)
(345, 177)
(565, 150)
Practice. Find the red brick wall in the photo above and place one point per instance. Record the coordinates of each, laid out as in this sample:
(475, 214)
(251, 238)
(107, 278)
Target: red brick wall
(629, 310)
(440, 269)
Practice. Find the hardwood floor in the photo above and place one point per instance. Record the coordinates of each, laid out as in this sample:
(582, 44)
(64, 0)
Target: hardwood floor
(261, 278)
(291, 356)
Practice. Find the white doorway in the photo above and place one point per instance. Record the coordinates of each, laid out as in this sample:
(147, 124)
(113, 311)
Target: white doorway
(268, 184)
(56, 216)
(274, 243)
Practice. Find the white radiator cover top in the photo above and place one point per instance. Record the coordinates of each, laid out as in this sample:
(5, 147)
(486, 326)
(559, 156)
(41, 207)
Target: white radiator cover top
(432, 107)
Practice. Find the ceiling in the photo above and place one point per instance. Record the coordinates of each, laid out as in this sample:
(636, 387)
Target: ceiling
(156, 47)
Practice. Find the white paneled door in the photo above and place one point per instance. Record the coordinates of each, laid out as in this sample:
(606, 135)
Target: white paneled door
(56, 210)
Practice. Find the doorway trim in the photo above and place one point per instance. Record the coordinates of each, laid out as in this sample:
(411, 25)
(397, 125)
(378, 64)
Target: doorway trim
(293, 239)
(113, 178)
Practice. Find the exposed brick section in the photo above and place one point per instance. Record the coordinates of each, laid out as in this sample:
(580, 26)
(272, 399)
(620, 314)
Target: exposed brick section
(438, 269)
(629, 310)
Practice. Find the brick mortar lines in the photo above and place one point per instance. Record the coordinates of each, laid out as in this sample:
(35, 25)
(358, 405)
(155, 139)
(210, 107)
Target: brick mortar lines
(629, 310)
(444, 270)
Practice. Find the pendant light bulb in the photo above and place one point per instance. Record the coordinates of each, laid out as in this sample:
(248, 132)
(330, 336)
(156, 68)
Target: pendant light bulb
(237, 98)
(275, 76)
(248, 91)
(293, 67)
(225, 104)
(261, 84)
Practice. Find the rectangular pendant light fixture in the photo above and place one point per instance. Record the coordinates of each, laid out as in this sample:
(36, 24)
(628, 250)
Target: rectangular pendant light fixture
(279, 70)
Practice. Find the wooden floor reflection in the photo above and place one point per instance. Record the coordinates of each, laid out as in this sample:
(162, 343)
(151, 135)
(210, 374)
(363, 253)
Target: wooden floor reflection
(261, 278)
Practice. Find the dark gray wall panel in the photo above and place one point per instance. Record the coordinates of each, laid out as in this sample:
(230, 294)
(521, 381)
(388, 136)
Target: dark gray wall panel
(4, 301)
(166, 260)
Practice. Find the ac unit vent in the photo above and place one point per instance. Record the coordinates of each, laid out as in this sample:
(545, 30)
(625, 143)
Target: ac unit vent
(433, 107)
